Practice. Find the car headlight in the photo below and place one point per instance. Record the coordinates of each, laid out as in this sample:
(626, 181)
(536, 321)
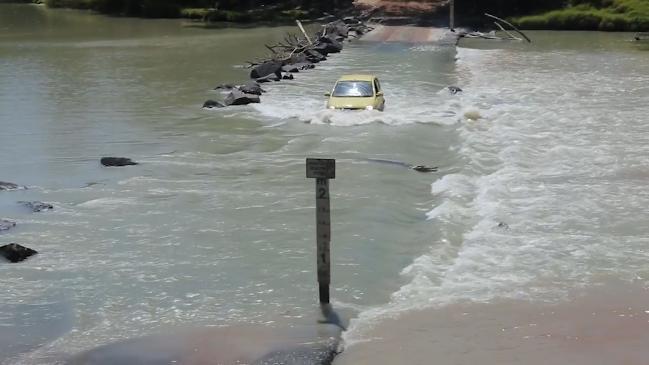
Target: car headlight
(369, 107)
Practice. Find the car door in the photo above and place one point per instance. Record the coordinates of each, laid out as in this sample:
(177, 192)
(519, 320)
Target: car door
(379, 102)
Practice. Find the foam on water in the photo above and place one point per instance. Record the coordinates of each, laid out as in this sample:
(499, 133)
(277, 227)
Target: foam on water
(540, 206)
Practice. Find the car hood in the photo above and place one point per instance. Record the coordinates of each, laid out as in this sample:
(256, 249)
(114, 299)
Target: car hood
(350, 102)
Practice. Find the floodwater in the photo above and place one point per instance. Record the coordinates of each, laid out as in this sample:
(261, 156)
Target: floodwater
(216, 225)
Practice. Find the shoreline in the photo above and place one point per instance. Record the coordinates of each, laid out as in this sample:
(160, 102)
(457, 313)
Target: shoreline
(582, 17)
(604, 324)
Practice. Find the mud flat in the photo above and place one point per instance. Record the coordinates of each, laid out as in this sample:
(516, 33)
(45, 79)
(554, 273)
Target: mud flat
(608, 324)
(245, 344)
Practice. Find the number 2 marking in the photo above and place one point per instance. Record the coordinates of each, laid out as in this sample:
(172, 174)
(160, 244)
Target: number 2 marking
(322, 193)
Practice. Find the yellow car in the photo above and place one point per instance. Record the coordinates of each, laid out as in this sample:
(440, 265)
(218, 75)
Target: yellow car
(356, 92)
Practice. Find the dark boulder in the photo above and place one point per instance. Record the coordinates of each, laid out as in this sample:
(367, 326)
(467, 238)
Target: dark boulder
(337, 29)
(357, 31)
(251, 88)
(328, 45)
(454, 90)
(265, 69)
(15, 253)
(422, 168)
(288, 76)
(10, 186)
(320, 48)
(210, 104)
(117, 161)
(6, 225)
(37, 206)
(314, 55)
(297, 58)
(236, 97)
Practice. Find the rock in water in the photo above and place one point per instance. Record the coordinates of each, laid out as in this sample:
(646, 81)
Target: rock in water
(252, 88)
(288, 76)
(15, 253)
(422, 168)
(265, 69)
(237, 97)
(329, 45)
(37, 206)
(315, 55)
(117, 161)
(9, 186)
(454, 90)
(6, 225)
(212, 104)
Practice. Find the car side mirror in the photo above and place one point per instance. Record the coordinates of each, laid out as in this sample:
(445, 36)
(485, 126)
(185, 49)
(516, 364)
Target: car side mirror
(327, 94)
(380, 93)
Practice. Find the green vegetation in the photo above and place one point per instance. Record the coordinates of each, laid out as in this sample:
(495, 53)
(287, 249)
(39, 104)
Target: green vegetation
(608, 15)
(208, 10)
(260, 15)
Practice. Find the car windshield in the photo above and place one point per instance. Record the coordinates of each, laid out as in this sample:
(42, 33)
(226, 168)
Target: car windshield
(353, 88)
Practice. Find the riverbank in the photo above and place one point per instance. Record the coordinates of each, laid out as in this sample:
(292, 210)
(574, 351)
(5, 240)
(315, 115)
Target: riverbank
(620, 15)
(601, 325)
(231, 11)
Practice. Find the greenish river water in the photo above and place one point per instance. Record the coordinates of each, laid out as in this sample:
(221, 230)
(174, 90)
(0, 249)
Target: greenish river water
(216, 225)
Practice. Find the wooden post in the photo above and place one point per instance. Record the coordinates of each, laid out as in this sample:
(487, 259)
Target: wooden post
(322, 170)
(452, 21)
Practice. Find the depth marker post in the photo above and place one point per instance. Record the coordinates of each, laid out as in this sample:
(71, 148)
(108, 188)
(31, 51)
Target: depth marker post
(322, 170)
(452, 16)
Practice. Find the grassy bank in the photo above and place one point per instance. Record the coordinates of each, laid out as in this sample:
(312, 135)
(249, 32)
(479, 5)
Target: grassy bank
(606, 15)
(262, 15)
(207, 10)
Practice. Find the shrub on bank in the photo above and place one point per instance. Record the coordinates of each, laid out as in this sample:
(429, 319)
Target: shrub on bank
(619, 15)
(142, 8)
(222, 10)
(257, 15)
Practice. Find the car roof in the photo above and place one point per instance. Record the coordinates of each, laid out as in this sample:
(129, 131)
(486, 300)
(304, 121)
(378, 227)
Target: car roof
(357, 77)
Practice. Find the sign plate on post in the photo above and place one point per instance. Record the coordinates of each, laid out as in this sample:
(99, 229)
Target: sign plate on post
(320, 168)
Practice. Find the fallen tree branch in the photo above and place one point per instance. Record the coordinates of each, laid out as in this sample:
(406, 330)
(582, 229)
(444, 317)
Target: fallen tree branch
(299, 24)
(510, 24)
(508, 33)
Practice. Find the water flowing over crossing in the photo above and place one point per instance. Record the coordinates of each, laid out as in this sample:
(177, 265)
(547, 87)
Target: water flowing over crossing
(215, 226)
